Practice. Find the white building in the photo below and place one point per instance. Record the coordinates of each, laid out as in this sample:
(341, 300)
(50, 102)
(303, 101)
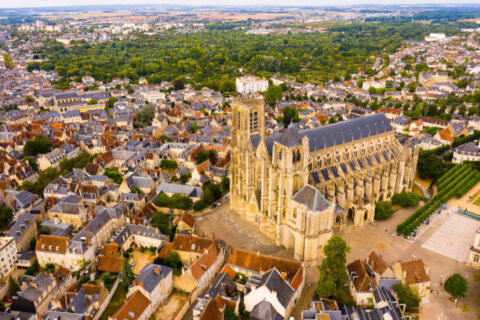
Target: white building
(435, 37)
(249, 84)
(8, 255)
(474, 259)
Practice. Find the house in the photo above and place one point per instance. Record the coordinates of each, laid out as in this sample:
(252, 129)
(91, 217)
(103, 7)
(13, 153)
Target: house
(202, 257)
(250, 84)
(8, 256)
(155, 282)
(133, 235)
(73, 213)
(414, 273)
(194, 193)
(469, 151)
(444, 136)
(136, 307)
(361, 284)
(110, 261)
(379, 268)
(277, 281)
(474, 258)
(23, 230)
(51, 159)
(86, 301)
(185, 223)
(24, 200)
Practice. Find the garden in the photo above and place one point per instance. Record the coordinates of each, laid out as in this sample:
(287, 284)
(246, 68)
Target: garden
(454, 183)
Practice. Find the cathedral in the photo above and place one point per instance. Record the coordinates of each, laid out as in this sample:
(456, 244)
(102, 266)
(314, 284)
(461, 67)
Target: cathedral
(299, 186)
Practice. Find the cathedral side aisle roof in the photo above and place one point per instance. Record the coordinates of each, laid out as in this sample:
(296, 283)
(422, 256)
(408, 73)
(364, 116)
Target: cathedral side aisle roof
(311, 198)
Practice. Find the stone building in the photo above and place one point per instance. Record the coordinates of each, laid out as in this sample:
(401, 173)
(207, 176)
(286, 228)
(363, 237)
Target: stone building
(301, 185)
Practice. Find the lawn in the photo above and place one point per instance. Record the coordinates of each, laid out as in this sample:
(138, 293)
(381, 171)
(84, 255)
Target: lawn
(117, 300)
(477, 202)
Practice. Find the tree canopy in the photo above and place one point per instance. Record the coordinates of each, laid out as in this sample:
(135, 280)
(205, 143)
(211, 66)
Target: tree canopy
(333, 272)
(456, 285)
(38, 145)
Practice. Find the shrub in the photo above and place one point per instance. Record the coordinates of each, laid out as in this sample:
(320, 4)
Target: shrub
(406, 295)
(383, 210)
(456, 285)
(406, 199)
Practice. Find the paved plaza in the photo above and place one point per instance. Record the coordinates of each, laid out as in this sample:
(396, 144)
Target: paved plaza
(454, 237)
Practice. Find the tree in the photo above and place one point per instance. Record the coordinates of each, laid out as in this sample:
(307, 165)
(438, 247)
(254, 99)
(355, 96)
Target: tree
(127, 274)
(145, 116)
(168, 164)
(178, 85)
(110, 102)
(406, 199)
(108, 280)
(289, 115)
(229, 314)
(173, 260)
(456, 285)
(92, 102)
(39, 145)
(205, 155)
(273, 94)
(6, 214)
(13, 287)
(115, 175)
(333, 272)
(407, 295)
(383, 210)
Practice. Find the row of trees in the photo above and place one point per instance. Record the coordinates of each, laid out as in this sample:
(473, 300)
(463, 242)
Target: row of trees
(455, 184)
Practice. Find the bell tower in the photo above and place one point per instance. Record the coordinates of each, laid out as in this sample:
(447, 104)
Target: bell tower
(248, 125)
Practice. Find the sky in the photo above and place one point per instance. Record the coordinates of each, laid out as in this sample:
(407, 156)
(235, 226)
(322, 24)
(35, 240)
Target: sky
(52, 3)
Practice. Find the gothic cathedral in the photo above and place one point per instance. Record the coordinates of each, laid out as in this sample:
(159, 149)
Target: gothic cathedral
(299, 186)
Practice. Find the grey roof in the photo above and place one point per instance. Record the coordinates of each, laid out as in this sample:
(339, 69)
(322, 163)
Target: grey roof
(20, 226)
(187, 190)
(150, 278)
(25, 198)
(265, 311)
(130, 229)
(274, 282)
(311, 198)
(289, 138)
(6, 316)
(334, 134)
(42, 282)
(60, 315)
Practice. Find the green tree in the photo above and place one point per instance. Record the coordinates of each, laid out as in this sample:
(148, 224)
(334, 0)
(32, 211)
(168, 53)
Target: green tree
(230, 314)
(145, 116)
(406, 199)
(92, 102)
(108, 280)
(13, 287)
(168, 164)
(383, 210)
(205, 155)
(6, 214)
(407, 295)
(456, 285)
(115, 175)
(333, 273)
(110, 102)
(173, 260)
(273, 94)
(127, 274)
(289, 115)
(39, 145)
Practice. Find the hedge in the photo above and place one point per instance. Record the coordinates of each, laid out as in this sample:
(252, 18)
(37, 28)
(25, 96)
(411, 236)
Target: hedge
(456, 182)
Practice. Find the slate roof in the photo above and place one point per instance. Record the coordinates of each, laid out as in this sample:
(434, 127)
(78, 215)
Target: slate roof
(187, 190)
(20, 226)
(335, 134)
(311, 198)
(150, 278)
(274, 281)
(265, 311)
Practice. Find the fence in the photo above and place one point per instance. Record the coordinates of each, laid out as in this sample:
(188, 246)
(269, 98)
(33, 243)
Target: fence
(107, 299)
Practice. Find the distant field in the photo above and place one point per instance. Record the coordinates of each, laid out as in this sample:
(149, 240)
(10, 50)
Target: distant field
(242, 17)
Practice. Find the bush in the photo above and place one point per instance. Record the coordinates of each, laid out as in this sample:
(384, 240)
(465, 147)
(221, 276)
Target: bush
(176, 201)
(456, 285)
(199, 205)
(406, 199)
(383, 210)
(406, 295)
(168, 164)
(108, 280)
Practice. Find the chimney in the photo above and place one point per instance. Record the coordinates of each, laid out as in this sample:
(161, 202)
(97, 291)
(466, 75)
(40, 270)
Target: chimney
(87, 240)
(21, 228)
(141, 284)
(27, 221)
(87, 317)
(33, 284)
(373, 266)
(86, 300)
(274, 293)
(157, 271)
(404, 274)
(134, 283)
(39, 316)
(213, 236)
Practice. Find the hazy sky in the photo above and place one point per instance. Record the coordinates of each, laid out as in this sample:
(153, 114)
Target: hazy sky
(43, 3)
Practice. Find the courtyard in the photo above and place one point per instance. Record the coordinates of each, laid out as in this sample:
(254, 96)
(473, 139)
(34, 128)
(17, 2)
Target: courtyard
(377, 236)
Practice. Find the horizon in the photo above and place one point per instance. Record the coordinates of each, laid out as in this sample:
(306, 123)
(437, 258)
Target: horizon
(50, 4)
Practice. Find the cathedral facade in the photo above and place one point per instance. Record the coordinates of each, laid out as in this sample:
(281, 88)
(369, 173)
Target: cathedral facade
(299, 186)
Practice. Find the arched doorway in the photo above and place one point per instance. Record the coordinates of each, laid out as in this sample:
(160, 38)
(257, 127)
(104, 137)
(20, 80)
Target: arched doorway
(350, 217)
